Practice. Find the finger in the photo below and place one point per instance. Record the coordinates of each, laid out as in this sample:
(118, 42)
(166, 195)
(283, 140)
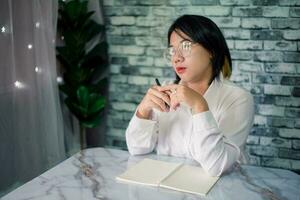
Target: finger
(174, 101)
(168, 87)
(159, 102)
(162, 95)
(168, 93)
(154, 105)
(155, 87)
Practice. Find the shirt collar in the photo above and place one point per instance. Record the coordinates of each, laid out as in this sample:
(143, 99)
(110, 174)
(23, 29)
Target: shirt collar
(217, 82)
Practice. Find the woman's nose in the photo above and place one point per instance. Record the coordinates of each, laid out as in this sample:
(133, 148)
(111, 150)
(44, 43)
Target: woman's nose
(178, 58)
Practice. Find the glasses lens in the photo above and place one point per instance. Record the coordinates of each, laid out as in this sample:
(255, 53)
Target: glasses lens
(168, 53)
(185, 48)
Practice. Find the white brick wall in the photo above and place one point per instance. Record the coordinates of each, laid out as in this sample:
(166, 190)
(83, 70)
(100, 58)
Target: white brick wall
(122, 20)
(291, 34)
(264, 41)
(289, 133)
(274, 11)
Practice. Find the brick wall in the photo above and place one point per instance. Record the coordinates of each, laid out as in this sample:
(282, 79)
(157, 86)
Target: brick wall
(263, 37)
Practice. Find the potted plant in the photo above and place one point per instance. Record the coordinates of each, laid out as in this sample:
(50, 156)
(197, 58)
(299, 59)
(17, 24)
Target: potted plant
(84, 63)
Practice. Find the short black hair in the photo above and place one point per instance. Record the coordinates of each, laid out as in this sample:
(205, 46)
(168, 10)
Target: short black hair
(204, 31)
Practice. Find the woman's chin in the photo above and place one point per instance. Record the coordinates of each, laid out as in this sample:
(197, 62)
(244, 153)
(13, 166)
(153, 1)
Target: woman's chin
(183, 78)
(181, 75)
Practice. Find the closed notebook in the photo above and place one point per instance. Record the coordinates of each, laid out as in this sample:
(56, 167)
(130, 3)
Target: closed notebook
(176, 176)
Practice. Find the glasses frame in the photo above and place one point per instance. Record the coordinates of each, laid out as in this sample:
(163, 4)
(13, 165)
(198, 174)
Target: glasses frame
(168, 57)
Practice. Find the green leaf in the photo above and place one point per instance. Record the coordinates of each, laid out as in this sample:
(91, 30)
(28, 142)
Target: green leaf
(100, 50)
(92, 123)
(85, 18)
(91, 29)
(75, 9)
(74, 42)
(78, 76)
(97, 103)
(86, 74)
(67, 55)
(77, 110)
(83, 97)
(96, 59)
(64, 22)
(99, 86)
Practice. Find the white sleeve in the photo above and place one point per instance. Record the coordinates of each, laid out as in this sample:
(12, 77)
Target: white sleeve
(140, 135)
(218, 147)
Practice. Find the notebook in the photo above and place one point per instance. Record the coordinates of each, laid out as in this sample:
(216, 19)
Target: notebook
(175, 176)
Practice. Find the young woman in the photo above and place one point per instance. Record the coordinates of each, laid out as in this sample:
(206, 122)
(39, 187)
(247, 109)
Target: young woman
(202, 115)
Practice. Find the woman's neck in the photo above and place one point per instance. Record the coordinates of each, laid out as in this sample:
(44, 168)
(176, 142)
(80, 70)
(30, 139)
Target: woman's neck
(204, 81)
(200, 86)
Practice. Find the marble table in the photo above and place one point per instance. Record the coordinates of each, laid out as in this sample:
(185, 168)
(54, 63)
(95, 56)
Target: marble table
(90, 175)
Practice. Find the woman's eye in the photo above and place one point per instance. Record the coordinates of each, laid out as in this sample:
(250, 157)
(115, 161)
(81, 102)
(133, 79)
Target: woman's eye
(186, 45)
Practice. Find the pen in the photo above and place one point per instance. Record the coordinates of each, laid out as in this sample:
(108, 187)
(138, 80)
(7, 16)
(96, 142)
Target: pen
(158, 83)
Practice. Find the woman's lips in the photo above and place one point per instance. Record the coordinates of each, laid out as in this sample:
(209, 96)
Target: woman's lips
(180, 70)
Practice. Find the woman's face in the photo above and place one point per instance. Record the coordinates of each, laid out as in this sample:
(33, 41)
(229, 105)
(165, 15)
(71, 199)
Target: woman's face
(194, 67)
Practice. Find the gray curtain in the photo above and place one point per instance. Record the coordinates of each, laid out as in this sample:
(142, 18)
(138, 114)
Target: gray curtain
(31, 126)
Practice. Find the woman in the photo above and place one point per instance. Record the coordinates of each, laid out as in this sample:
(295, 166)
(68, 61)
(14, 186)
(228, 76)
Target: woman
(203, 115)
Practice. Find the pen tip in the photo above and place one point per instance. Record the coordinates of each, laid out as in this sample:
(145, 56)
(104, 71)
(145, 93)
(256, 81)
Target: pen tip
(157, 82)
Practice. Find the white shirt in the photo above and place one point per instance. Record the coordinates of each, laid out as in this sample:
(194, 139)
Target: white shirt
(215, 138)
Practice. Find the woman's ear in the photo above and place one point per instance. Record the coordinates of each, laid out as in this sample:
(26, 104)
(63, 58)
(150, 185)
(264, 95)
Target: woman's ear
(210, 58)
(211, 54)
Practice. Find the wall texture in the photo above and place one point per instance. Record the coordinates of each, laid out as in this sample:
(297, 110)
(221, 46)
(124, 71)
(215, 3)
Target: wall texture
(263, 37)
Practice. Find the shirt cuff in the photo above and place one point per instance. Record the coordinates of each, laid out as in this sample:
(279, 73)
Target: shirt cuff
(204, 121)
(139, 123)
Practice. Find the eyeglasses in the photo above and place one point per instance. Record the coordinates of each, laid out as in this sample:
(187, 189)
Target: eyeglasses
(184, 48)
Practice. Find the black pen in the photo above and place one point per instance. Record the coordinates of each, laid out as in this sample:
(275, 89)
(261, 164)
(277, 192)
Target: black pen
(158, 83)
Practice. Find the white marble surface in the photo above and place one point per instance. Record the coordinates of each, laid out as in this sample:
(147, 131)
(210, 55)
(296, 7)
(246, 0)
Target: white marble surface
(91, 175)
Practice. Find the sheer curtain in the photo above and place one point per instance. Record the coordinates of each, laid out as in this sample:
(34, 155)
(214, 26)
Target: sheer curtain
(31, 126)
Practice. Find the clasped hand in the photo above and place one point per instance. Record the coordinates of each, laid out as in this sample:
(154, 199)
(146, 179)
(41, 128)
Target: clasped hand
(168, 97)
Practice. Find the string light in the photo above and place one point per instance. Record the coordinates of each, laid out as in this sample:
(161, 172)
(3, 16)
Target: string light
(37, 69)
(59, 80)
(37, 24)
(3, 29)
(29, 46)
(19, 85)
